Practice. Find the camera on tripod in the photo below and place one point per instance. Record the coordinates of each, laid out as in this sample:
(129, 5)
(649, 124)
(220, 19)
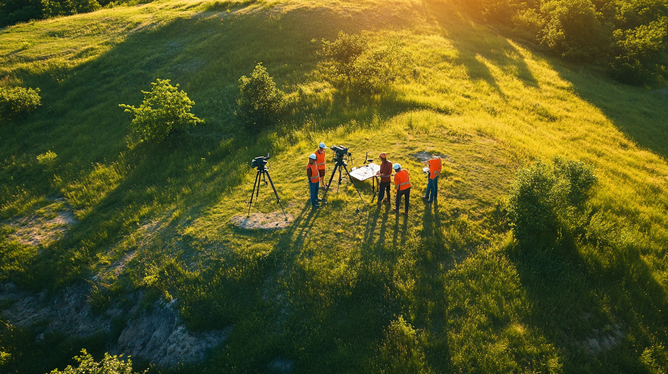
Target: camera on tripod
(261, 161)
(341, 152)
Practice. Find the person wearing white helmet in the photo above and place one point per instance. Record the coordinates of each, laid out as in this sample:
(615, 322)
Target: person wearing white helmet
(402, 183)
(320, 162)
(313, 179)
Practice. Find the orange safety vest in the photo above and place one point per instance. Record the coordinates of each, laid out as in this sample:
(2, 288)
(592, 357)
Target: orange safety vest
(320, 159)
(402, 181)
(434, 168)
(315, 176)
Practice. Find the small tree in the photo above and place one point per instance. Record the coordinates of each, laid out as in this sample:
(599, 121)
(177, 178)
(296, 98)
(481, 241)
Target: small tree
(261, 103)
(350, 59)
(545, 198)
(17, 101)
(109, 365)
(164, 110)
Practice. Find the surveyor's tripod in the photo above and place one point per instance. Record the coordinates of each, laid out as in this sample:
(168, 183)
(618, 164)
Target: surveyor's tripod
(341, 164)
(263, 173)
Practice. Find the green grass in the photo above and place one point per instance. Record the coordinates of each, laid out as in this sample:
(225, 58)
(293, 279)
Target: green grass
(325, 292)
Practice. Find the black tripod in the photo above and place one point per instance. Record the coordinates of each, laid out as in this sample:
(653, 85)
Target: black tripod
(263, 173)
(341, 164)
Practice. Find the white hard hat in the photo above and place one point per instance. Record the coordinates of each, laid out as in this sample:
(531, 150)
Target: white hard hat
(322, 145)
(312, 156)
(396, 166)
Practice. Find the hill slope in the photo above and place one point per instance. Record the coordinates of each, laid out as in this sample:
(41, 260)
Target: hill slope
(444, 290)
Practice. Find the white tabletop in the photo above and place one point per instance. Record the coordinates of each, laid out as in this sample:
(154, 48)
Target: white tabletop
(365, 172)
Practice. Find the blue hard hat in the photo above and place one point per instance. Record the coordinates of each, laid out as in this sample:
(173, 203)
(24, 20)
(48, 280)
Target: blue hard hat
(322, 145)
(312, 156)
(396, 166)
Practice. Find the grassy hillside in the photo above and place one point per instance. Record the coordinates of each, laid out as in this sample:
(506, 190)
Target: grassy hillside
(446, 289)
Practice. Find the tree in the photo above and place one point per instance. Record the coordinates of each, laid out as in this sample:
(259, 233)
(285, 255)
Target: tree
(109, 365)
(164, 110)
(261, 103)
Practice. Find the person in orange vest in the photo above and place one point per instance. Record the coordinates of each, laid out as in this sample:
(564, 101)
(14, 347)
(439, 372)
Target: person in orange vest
(320, 162)
(385, 174)
(313, 179)
(402, 183)
(435, 167)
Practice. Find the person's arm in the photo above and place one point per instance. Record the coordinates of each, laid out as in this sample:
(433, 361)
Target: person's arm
(308, 173)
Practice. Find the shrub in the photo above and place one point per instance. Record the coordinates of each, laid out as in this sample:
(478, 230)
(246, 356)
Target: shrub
(350, 59)
(260, 103)
(108, 365)
(544, 198)
(400, 351)
(164, 110)
(637, 49)
(573, 30)
(18, 101)
(47, 159)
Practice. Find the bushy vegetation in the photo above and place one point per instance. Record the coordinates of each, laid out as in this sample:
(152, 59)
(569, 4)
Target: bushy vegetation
(108, 365)
(261, 103)
(18, 101)
(164, 110)
(629, 37)
(351, 60)
(545, 198)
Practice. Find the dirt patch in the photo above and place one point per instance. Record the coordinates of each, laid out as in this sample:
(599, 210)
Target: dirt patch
(46, 225)
(158, 336)
(261, 221)
(603, 340)
(426, 156)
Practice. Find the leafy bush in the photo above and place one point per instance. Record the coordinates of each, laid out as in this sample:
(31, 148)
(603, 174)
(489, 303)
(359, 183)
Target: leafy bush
(109, 365)
(261, 103)
(47, 159)
(545, 197)
(350, 59)
(573, 29)
(400, 351)
(17, 101)
(164, 110)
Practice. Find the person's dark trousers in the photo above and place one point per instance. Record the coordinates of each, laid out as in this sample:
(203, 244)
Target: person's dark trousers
(313, 189)
(432, 189)
(384, 189)
(407, 193)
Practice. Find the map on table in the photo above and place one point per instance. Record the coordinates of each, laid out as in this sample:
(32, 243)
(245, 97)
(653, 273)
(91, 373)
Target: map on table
(365, 172)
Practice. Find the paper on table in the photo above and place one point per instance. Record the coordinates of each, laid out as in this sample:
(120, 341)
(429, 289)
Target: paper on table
(365, 172)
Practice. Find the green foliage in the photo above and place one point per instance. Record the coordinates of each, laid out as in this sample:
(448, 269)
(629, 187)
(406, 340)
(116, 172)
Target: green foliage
(543, 197)
(350, 59)
(4, 357)
(18, 101)
(47, 159)
(401, 350)
(261, 103)
(108, 365)
(638, 50)
(164, 110)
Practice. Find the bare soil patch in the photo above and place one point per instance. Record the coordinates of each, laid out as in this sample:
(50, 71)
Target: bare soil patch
(262, 221)
(46, 225)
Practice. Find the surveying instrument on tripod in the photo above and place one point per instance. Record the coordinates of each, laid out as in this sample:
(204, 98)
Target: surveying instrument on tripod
(340, 163)
(260, 163)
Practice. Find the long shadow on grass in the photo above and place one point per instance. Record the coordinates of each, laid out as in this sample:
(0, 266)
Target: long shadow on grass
(601, 316)
(641, 115)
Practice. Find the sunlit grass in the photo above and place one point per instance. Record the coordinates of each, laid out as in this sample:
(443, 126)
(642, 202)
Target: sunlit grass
(323, 292)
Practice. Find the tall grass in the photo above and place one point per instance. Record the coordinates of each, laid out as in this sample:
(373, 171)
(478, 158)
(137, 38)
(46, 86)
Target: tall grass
(330, 292)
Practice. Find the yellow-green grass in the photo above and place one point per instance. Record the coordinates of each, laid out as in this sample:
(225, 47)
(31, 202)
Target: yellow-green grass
(323, 292)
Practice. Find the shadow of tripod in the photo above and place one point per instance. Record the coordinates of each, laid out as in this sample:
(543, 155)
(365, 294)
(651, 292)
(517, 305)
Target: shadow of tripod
(262, 175)
(341, 164)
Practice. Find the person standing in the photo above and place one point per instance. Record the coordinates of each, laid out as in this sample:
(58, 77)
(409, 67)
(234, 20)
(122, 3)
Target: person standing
(435, 167)
(313, 179)
(320, 162)
(385, 175)
(402, 183)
